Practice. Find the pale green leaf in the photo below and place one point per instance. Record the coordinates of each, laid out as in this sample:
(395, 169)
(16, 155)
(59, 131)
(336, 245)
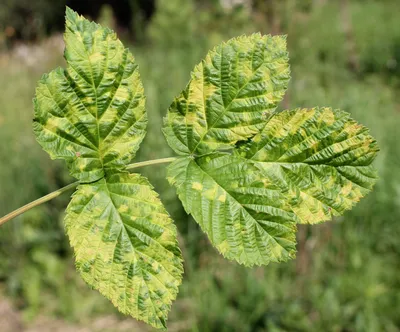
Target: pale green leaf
(126, 245)
(91, 114)
(320, 158)
(247, 218)
(230, 95)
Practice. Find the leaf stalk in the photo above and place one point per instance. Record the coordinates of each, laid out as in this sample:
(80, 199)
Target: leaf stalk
(37, 202)
(60, 191)
(151, 162)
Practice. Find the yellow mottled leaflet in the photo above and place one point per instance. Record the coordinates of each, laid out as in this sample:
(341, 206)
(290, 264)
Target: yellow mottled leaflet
(230, 95)
(92, 115)
(247, 173)
(125, 245)
(320, 158)
(301, 166)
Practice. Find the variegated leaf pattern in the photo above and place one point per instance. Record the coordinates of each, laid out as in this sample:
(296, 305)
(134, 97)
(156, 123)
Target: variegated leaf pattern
(305, 166)
(247, 173)
(126, 245)
(91, 114)
(230, 95)
(250, 173)
(319, 157)
(247, 218)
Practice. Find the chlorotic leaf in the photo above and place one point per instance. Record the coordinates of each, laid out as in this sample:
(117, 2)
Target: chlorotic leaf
(250, 173)
(91, 114)
(230, 95)
(126, 245)
(320, 158)
(245, 217)
(305, 166)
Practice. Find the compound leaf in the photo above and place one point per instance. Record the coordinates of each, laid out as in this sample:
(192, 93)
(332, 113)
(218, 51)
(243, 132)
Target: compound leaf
(319, 157)
(245, 217)
(305, 166)
(230, 95)
(126, 245)
(91, 114)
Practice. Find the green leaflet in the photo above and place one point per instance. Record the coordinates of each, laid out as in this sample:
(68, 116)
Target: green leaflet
(301, 166)
(126, 245)
(305, 166)
(320, 158)
(246, 217)
(91, 114)
(230, 95)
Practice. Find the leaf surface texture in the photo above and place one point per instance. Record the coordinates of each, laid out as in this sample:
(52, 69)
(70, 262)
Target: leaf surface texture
(304, 166)
(321, 159)
(92, 114)
(246, 218)
(126, 245)
(230, 95)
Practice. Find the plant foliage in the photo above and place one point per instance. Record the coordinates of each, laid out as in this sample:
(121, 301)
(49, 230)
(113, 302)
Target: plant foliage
(246, 172)
(92, 115)
(125, 245)
(300, 166)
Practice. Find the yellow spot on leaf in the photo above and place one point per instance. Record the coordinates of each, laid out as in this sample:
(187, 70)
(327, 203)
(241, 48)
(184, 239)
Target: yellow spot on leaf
(266, 182)
(78, 36)
(191, 117)
(87, 190)
(209, 89)
(346, 189)
(122, 94)
(197, 186)
(96, 57)
(223, 247)
(123, 208)
(52, 124)
(257, 138)
(210, 194)
(222, 198)
(328, 116)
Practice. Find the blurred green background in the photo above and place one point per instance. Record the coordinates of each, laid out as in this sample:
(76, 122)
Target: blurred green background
(346, 277)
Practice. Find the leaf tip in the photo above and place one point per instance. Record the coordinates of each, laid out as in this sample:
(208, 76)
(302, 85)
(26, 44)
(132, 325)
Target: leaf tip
(70, 14)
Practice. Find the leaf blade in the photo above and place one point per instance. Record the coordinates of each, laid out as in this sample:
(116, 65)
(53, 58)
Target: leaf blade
(227, 197)
(125, 245)
(229, 96)
(98, 99)
(305, 166)
(321, 156)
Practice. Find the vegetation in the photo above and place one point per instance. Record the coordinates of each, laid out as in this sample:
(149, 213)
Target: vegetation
(349, 281)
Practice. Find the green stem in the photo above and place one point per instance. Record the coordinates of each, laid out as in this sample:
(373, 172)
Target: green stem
(39, 201)
(151, 162)
(58, 192)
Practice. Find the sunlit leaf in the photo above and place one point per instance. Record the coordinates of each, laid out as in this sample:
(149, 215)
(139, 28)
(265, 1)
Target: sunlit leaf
(319, 157)
(247, 218)
(230, 95)
(305, 166)
(91, 114)
(246, 172)
(126, 246)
